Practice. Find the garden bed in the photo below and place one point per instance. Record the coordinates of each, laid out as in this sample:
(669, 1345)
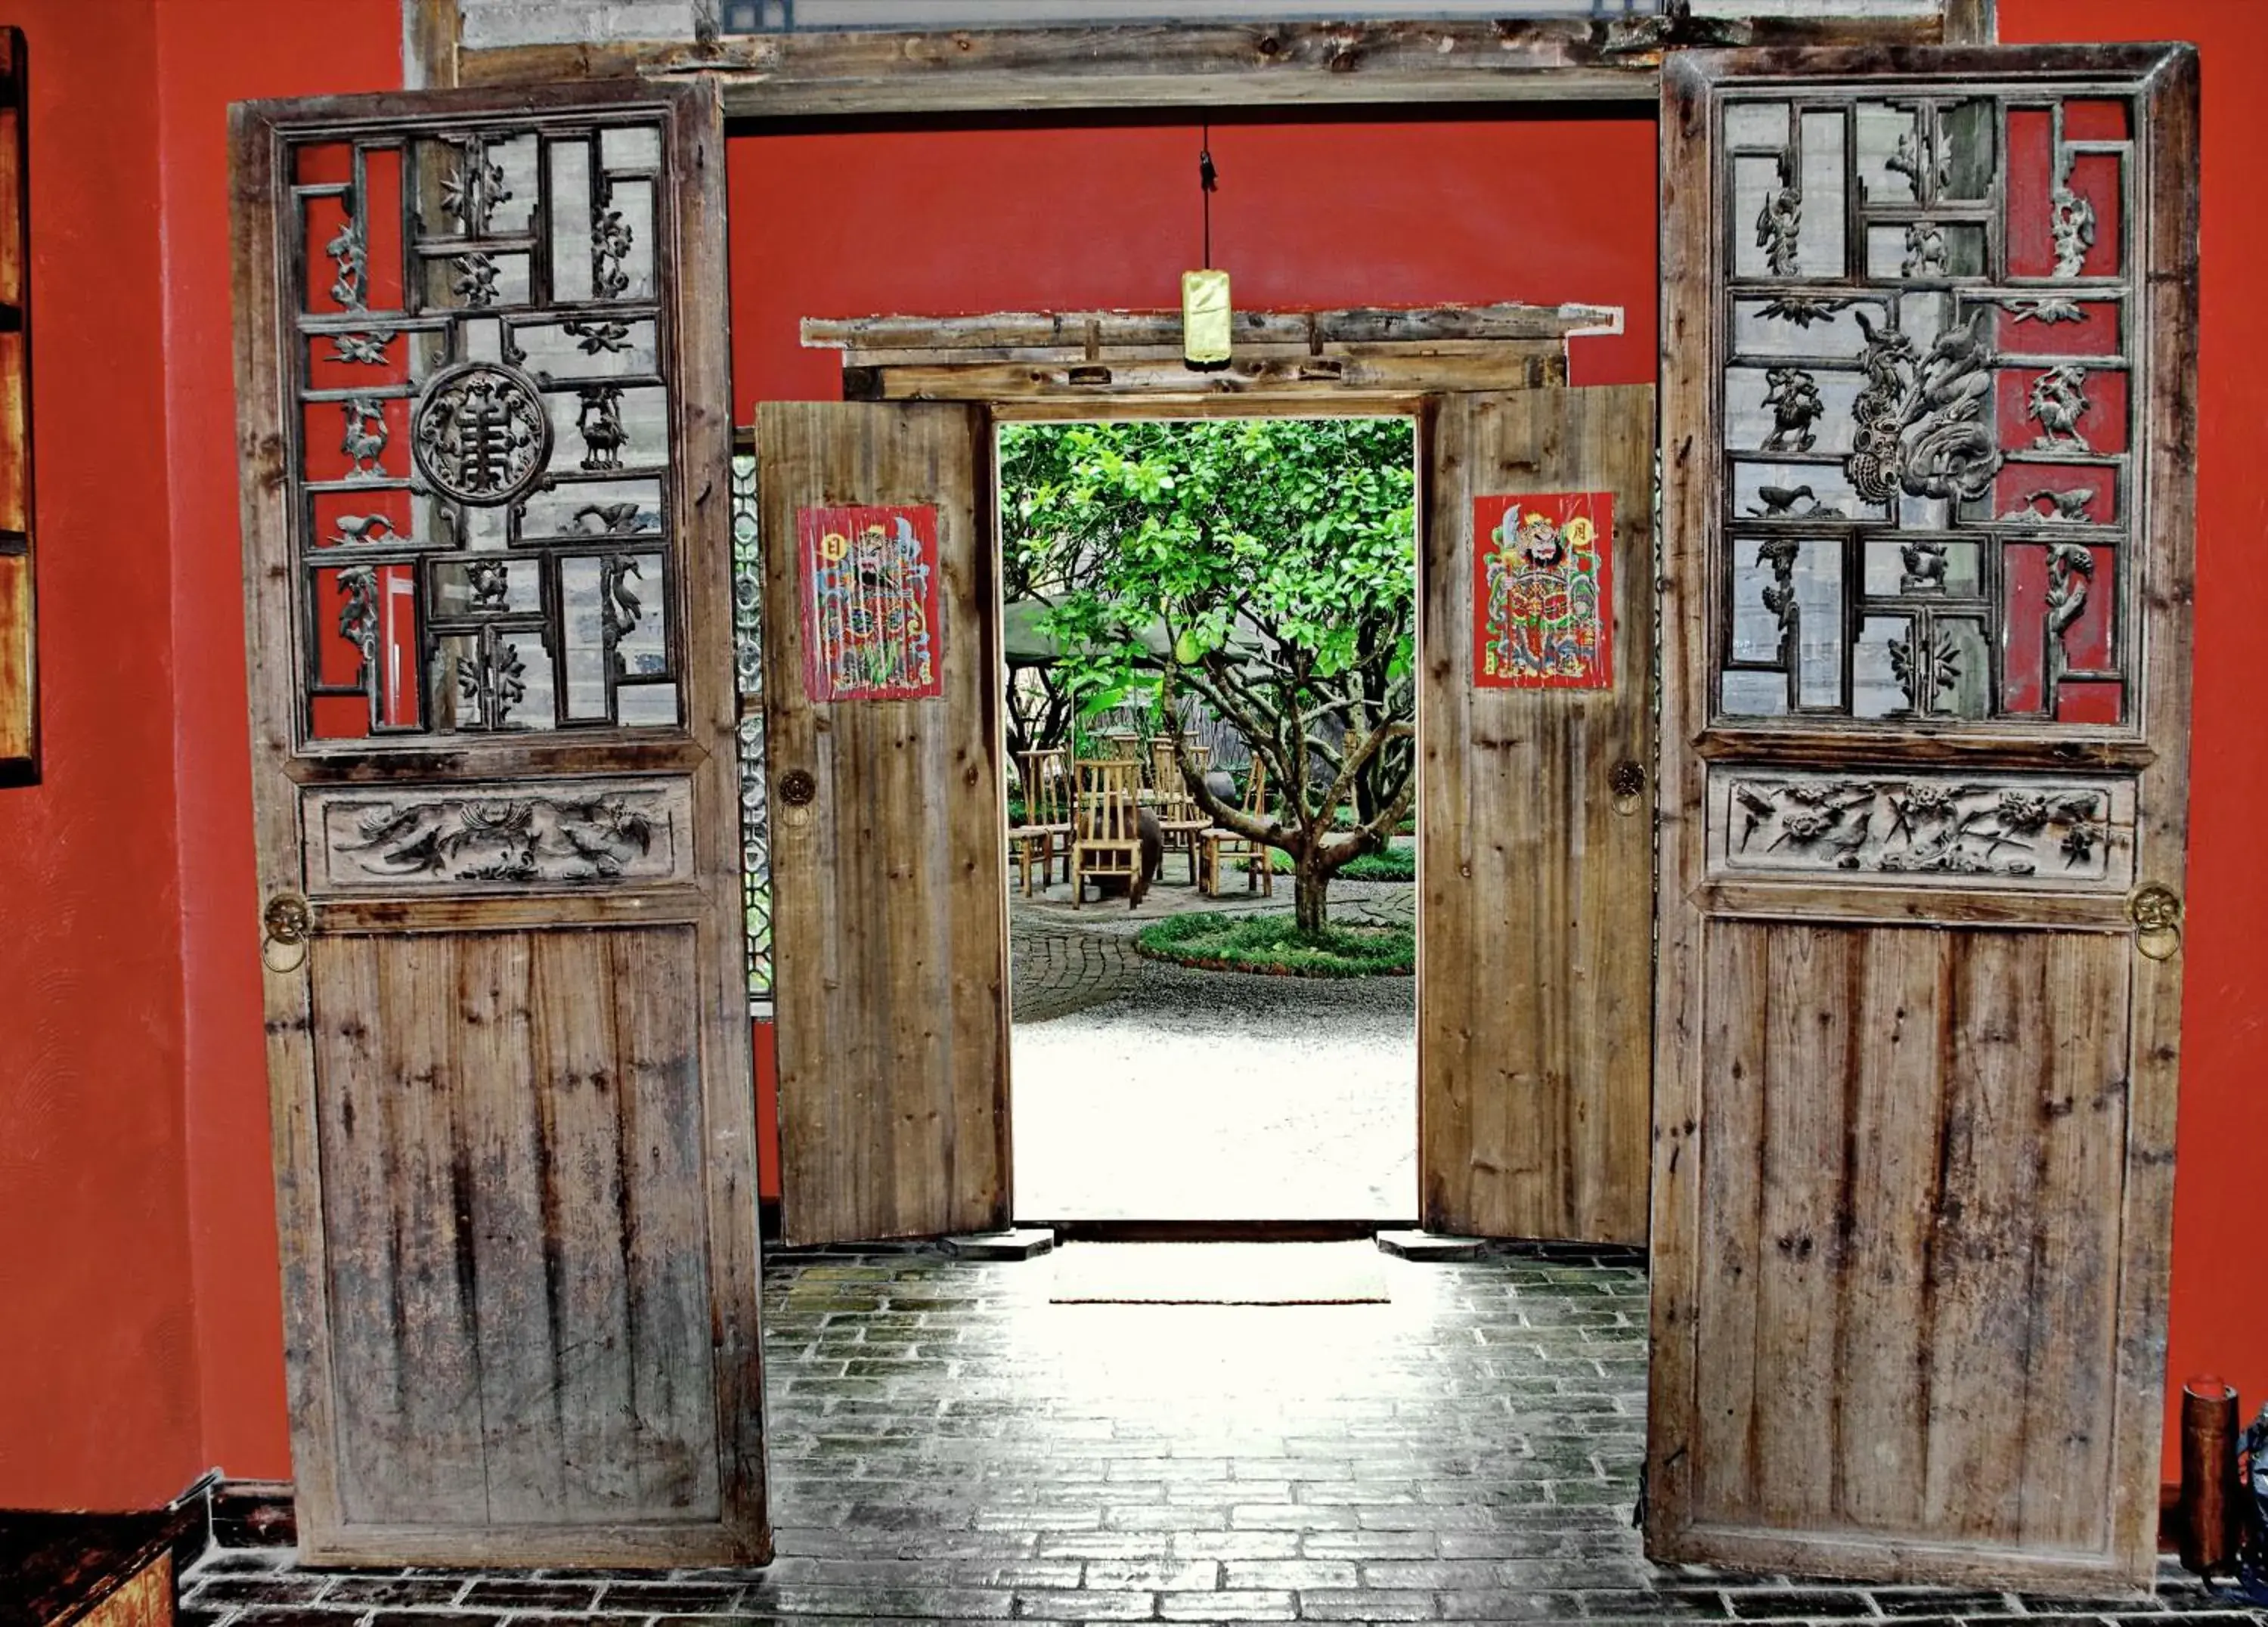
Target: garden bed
(1397, 864)
(1274, 945)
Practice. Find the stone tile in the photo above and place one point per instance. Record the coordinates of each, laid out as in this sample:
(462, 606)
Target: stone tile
(1010, 1460)
(395, 1590)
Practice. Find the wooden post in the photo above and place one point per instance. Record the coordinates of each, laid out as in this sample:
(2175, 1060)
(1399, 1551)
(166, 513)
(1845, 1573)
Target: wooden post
(2208, 1473)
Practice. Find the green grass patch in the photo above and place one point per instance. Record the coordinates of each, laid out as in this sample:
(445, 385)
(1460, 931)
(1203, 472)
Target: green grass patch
(1397, 864)
(1275, 944)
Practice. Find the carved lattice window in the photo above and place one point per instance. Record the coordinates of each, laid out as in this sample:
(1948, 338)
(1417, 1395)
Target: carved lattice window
(484, 453)
(1928, 330)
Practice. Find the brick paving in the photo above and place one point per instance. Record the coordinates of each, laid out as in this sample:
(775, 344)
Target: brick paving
(947, 1445)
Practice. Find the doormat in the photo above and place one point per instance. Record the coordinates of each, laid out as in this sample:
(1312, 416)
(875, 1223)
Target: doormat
(1219, 1274)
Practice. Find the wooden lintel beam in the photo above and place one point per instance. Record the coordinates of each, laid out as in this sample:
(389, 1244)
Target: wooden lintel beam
(1168, 380)
(1045, 335)
(853, 73)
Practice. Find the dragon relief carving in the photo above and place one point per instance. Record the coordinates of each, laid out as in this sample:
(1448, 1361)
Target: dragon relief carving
(1922, 423)
(1914, 827)
(524, 839)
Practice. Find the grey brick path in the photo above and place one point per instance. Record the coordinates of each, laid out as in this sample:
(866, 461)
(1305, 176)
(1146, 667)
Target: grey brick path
(947, 1445)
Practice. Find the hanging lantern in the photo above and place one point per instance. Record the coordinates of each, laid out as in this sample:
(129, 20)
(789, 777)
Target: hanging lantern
(1206, 318)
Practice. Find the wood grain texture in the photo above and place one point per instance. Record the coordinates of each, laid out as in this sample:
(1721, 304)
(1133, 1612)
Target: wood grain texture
(1088, 335)
(1256, 65)
(516, 1203)
(1534, 1003)
(1908, 1138)
(888, 890)
(1912, 1183)
(514, 1136)
(1293, 379)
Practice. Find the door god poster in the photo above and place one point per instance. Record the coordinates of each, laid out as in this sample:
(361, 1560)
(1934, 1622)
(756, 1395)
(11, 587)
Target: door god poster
(1543, 591)
(870, 603)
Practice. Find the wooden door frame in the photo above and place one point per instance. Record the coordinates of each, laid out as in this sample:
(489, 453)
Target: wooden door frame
(1119, 366)
(1379, 65)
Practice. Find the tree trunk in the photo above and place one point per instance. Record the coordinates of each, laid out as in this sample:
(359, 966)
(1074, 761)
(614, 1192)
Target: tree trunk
(1309, 888)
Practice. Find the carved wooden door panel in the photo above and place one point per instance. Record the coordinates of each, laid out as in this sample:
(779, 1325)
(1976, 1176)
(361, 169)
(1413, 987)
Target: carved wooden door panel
(889, 901)
(484, 416)
(1929, 351)
(1537, 741)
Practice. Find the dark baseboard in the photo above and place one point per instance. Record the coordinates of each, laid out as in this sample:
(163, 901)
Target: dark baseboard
(254, 1513)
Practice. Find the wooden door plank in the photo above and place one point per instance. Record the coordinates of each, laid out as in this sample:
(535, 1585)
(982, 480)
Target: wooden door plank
(1797, 1246)
(664, 1229)
(1535, 1013)
(1891, 1180)
(516, 1229)
(1728, 1322)
(395, 1197)
(1983, 1111)
(889, 905)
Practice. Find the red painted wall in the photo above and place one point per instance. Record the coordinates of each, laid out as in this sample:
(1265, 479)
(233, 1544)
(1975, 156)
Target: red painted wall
(98, 1361)
(1309, 214)
(212, 53)
(138, 1277)
(2220, 1321)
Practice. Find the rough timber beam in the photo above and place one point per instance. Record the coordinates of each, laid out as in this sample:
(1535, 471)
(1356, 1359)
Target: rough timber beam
(1240, 65)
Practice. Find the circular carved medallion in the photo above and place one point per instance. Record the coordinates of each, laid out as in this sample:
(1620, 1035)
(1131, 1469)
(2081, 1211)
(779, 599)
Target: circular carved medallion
(480, 434)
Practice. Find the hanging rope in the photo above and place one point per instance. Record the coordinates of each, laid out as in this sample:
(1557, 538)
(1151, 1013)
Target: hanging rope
(1207, 182)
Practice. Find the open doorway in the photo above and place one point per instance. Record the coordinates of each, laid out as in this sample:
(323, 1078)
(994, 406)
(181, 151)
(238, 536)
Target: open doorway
(1210, 688)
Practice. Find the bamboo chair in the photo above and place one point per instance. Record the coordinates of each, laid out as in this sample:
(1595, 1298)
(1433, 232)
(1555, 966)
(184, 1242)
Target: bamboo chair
(1047, 817)
(1179, 820)
(1106, 834)
(1219, 842)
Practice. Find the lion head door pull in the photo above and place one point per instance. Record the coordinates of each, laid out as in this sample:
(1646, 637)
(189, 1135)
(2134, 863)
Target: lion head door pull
(286, 924)
(2156, 910)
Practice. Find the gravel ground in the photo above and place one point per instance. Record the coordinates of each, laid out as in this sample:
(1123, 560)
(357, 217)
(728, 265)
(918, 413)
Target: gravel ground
(1150, 1092)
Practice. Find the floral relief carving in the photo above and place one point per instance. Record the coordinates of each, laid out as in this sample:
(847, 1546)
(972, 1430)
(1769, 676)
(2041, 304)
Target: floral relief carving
(602, 836)
(1920, 827)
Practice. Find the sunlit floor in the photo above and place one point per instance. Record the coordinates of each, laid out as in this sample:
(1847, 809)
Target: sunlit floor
(1148, 1092)
(948, 1444)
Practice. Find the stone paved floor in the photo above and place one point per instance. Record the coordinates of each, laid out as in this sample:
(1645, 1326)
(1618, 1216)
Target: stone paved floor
(1146, 1091)
(947, 1445)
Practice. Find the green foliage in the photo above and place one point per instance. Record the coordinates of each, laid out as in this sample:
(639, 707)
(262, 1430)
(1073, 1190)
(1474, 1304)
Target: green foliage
(1397, 864)
(1277, 943)
(1264, 564)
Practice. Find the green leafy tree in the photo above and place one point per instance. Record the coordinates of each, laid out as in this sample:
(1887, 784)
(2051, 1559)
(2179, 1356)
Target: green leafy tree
(1264, 565)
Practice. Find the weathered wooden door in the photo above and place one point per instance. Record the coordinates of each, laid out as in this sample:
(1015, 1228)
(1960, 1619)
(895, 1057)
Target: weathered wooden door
(889, 903)
(1929, 351)
(484, 420)
(1537, 834)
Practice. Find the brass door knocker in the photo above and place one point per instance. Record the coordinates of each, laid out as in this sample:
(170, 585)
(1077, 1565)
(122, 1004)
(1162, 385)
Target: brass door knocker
(2156, 910)
(1627, 781)
(286, 924)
